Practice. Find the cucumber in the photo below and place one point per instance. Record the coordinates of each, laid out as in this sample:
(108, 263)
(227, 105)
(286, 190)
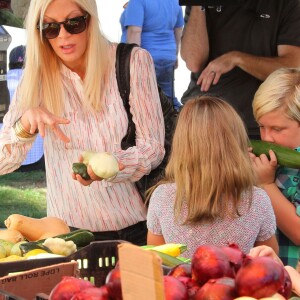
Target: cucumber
(81, 237)
(286, 157)
(81, 169)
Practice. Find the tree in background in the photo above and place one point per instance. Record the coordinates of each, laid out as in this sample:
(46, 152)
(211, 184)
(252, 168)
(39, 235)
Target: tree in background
(7, 16)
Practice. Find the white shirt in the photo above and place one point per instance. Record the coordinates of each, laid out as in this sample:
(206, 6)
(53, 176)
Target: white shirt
(110, 204)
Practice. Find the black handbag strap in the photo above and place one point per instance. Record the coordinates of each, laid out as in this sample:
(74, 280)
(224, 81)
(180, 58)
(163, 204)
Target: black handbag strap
(123, 79)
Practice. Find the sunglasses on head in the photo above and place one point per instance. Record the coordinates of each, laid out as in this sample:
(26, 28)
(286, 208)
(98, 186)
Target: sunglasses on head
(73, 26)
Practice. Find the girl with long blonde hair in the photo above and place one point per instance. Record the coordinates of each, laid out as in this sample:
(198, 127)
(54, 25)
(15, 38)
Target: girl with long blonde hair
(208, 195)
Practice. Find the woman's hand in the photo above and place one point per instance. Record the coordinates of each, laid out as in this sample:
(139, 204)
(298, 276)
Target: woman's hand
(91, 173)
(39, 118)
(264, 168)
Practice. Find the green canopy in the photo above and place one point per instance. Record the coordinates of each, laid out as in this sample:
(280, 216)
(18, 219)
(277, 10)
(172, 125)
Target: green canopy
(9, 19)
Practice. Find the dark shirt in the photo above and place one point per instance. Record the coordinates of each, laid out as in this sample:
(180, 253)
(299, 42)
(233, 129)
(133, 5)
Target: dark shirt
(256, 27)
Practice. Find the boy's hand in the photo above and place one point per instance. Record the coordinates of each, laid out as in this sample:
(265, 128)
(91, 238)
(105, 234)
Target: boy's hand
(264, 251)
(264, 168)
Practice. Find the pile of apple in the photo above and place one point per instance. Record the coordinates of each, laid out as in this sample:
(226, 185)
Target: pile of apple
(218, 273)
(227, 273)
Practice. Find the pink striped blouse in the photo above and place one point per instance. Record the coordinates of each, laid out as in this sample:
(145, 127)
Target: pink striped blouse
(110, 204)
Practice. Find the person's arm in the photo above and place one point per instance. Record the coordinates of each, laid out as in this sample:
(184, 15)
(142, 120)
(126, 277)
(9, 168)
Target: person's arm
(147, 115)
(194, 43)
(258, 67)
(154, 239)
(262, 67)
(134, 35)
(271, 242)
(177, 34)
(284, 210)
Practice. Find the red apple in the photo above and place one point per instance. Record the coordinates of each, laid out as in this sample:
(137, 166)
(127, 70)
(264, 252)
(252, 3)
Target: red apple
(259, 277)
(192, 291)
(191, 285)
(286, 288)
(174, 289)
(181, 270)
(113, 283)
(92, 293)
(235, 255)
(67, 287)
(210, 262)
(217, 289)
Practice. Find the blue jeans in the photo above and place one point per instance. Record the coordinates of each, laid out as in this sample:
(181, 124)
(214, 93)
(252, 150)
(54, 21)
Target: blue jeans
(165, 79)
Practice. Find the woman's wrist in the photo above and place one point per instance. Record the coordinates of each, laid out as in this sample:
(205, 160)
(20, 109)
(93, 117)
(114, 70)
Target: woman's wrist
(21, 132)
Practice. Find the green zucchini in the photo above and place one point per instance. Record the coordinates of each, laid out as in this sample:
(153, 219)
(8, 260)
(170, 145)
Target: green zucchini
(81, 169)
(286, 157)
(81, 237)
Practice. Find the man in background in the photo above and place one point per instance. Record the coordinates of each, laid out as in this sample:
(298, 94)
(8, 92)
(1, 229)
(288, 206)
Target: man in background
(231, 49)
(156, 26)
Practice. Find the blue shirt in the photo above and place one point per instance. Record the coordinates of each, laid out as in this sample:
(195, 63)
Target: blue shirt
(288, 181)
(158, 19)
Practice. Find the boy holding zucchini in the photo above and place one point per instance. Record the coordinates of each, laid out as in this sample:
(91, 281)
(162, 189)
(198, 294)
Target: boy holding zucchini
(276, 108)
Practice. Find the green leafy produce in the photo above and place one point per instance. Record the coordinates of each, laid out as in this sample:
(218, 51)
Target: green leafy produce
(81, 237)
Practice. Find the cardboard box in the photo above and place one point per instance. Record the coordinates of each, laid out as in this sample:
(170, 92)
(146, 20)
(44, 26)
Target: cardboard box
(41, 280)
(141, 273)
(93, 263)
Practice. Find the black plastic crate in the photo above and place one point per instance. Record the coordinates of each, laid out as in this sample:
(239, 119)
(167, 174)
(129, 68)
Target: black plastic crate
(94, 263)
(10, 296)
(96, 260)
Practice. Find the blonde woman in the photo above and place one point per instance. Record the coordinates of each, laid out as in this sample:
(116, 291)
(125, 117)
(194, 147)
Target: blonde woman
(69, 94)
(208, 195)
(276, 108)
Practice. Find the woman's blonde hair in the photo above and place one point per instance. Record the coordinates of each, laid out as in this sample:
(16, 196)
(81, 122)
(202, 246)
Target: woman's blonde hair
(281, 90)
(42, 84)
(209, 161)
